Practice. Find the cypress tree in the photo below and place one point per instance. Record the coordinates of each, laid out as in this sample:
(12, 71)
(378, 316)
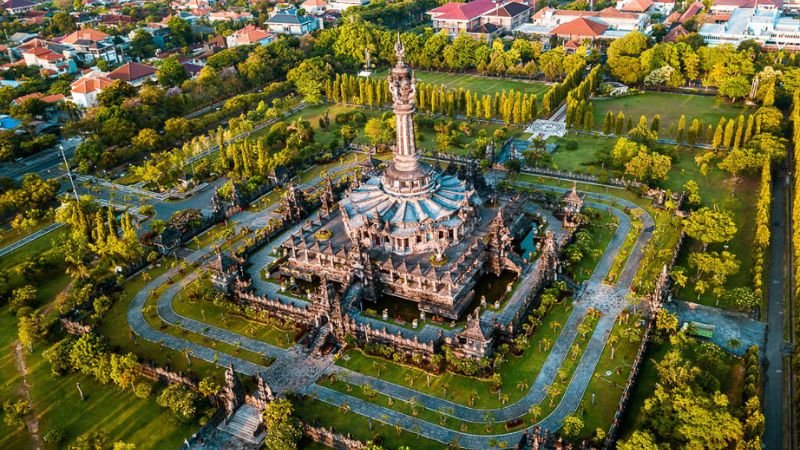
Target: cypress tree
(608, 123)
(748, 133)
(728, 136)
(737, 140)
(620, 123)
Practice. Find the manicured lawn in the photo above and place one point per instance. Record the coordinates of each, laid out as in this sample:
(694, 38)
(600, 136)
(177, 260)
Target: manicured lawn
(10, 235)
(627, 246)
(601, 231)
(567, 369)
(716, 189)
(583, 159)
(119, 335)
(208, 312)
(10, 381)
(475, 83)
(523, 368)
(317, 412)
(727, 374)
(119, 413)
(669, 106)
(608, 381)
(426, 137)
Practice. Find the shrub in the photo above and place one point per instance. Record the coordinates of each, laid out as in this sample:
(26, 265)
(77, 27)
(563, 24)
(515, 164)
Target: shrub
(143, 389)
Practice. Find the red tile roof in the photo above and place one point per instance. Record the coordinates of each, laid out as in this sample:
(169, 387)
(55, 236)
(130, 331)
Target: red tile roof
(250, 34)
(637, 5)
(86, 34)
(131, 72)
(90, 83)
(580, 27)
(45, 54)
(463, 11)
(675, 33)
(691, 11)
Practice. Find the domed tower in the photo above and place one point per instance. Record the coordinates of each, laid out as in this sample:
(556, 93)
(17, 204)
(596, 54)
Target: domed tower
(411, 208)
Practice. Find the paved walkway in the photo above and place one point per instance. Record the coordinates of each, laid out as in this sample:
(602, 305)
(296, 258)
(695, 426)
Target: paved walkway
(728, 325)
(29, 238)
(299, 372)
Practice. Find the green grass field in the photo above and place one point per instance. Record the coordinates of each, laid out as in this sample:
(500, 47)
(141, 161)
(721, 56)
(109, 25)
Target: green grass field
(601, 231)
(514, 370)
(716, 189)
(426, 137)
(669, 107)
(475, 83)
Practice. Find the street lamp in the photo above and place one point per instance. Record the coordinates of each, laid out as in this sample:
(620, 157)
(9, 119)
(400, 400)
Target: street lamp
(69, 174)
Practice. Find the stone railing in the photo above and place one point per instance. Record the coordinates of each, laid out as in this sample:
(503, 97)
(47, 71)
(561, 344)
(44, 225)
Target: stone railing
(330, 438)
(368, 334)
(74, 327)
(656, 299)
(161, 374)
(275, 307)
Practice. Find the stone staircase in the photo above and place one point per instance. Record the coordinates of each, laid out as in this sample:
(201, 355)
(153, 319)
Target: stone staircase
(243, 424)
(320, 339)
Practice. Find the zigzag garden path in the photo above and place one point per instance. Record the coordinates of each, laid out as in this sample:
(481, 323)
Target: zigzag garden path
(291, 370)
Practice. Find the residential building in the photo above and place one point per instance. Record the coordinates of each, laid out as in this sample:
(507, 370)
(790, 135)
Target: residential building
(290, 21)
(160, 32)
(134, 73)
(250, 34)
(229, 16)
(663, 6)
(456, 18)
(608, 23)
(84, 91)
(314, 7)
(17, 7)
(767, 26)
(728, 6)
(89, 45)
(681, 18)
(341, 5)
(508, 16)
(676, 33)
(50, 62)
(634, 6)
(49, 99)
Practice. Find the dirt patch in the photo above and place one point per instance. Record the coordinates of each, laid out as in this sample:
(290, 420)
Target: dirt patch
(31, 422)
(736, 387)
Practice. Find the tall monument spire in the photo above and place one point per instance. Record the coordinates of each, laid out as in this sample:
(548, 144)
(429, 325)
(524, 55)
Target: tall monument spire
(405, 168)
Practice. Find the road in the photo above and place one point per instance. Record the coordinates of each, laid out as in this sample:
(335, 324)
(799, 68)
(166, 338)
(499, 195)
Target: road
(45, 163)
(775, 402)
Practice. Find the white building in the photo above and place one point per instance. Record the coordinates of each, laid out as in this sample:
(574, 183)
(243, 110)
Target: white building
(764, 25)
(85, 90)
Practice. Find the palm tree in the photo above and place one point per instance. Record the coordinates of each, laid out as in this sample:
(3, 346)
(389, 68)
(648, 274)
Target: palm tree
(612, 341)
(445, 387)
(412, 402)
(344, 408)
(553, 393)
(379, 367)
(535, 411)
(410, 378)
(576, 351)
(472, 397)
(546, 342)
(488, 419)
(522, 385)
(503, 398)
(555, 325)
(584, 329)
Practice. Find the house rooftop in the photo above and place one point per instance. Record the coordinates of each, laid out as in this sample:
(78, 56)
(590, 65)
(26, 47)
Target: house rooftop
(86, 34)
(131, 72)
(582, 27)
(462, 11)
